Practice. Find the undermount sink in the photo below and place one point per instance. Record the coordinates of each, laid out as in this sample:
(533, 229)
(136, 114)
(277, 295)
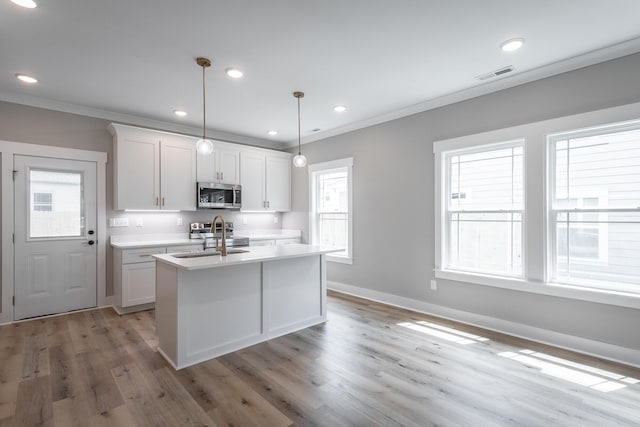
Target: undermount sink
(203, 254)
(236, 251)
(195, 254)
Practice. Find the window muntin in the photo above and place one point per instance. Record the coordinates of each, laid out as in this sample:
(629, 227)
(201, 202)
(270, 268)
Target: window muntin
(331, 211)
(594, 218)
(484, 209)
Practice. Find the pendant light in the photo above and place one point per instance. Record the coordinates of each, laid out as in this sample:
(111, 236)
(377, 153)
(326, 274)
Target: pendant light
(204, 145)
(299, 160)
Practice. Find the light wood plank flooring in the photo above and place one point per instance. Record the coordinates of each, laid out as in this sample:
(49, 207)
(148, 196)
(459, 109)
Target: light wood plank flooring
(369, 365)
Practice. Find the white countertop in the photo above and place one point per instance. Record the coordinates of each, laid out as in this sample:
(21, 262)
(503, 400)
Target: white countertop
(254, 254)
(152, 240)
(134, 241)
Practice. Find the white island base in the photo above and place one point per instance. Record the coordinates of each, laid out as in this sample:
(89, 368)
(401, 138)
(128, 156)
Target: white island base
(207, 310)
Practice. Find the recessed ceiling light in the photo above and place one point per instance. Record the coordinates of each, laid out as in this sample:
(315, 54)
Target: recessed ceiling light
(29, 4)
(340, 108)
(26, 79)
(273, 132)
(234, 73)
(512, 44)
(180, 113)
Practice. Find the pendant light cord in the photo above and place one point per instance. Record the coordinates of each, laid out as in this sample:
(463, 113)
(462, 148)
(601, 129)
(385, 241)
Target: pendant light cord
(204, 107)
(298, 125)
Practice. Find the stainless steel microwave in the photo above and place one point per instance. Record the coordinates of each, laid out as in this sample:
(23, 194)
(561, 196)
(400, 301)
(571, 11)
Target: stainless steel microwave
(214, 195)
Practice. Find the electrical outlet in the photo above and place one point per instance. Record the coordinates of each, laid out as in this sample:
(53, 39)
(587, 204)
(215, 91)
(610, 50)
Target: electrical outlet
(179, 221)
(245, 221)
(118, 222)
(138, 222)
(434, 285)
(275, 219)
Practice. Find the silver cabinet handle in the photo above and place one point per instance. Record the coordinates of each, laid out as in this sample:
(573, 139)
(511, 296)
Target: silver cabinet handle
(222, 175)
(156, 204)
(163, 201)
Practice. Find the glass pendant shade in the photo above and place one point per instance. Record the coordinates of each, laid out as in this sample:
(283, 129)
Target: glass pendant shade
(204, 146)
(300, 161)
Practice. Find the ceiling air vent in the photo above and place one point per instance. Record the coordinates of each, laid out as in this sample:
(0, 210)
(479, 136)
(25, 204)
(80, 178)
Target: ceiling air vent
(495, 73)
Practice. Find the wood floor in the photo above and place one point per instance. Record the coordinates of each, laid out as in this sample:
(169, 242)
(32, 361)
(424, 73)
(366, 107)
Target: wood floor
(369, 365)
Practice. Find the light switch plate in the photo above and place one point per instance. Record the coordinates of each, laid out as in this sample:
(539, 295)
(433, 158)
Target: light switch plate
(434, 285)
(138, 222)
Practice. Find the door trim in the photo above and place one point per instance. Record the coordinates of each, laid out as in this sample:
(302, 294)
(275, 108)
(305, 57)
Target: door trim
(7, 150)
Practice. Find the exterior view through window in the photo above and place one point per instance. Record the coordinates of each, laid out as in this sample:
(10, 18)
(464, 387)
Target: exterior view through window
(595, 208)
(330, 189)
(484, 209)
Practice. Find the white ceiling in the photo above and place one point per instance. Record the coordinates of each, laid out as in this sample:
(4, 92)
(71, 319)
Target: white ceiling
(382, 58)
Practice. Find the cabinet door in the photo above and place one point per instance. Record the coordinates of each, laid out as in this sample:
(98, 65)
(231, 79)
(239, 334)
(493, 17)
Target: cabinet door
(278, 183)
(138, 283)
(228, 170)
(178, 174)
(137, 174)
(252, 180)
(206, 167)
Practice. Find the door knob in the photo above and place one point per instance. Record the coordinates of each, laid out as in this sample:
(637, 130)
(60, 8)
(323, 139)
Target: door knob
(90, 242)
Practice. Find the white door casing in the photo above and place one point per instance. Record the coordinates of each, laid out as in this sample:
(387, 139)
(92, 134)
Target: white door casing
(55, 254)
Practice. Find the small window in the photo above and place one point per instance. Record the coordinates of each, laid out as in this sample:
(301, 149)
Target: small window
(43, 202)
(484, 209)
(331, 207)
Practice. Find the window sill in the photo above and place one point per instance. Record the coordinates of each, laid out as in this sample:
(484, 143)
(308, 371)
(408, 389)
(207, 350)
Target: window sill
(552, 289)
(340, 260)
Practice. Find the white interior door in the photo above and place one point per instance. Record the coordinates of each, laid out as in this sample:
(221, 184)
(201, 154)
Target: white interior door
(55, 235)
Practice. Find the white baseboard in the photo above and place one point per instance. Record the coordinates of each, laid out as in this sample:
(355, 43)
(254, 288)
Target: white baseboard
(599, 349)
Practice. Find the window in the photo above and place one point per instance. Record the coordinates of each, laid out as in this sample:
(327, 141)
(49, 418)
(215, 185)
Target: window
(594, 215)
(484, 209)
(43, 202)
(331, 207)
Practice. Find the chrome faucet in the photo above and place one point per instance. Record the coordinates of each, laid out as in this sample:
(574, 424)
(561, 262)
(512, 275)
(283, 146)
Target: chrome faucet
(223, 247)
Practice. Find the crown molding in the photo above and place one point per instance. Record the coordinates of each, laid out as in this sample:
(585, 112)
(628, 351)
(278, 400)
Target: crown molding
(97, 113)
(570, 64)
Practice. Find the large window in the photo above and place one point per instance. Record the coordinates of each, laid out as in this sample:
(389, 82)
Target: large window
(594, 216)
(331, 210)
(484, 209)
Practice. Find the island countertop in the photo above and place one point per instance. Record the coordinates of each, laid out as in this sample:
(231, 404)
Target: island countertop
(252, 254)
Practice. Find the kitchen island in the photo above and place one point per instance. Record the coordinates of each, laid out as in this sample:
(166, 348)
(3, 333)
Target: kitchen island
(210, 305)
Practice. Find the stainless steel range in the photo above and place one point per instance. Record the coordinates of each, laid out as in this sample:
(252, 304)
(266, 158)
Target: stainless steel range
(202, 231)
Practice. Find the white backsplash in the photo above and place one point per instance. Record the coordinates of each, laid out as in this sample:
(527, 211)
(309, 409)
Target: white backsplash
(167, 222)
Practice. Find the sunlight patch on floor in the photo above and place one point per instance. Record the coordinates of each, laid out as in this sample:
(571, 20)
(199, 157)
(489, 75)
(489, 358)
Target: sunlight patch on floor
(443, 332)
(577, 373)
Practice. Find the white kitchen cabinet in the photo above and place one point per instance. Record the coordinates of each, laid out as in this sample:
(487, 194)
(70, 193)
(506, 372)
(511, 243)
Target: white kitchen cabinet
(134, 276)
(153, 170)
(222, 165)
(266, 180)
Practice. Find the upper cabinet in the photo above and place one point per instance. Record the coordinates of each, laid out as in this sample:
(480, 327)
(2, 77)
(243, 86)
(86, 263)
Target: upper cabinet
(223, 165)
(266, 180)
(156, 170)
(153, 170)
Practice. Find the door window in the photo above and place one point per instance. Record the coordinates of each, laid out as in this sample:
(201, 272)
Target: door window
(55, 208)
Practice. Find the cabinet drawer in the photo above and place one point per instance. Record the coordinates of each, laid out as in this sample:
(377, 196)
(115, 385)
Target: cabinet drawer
(132, 256)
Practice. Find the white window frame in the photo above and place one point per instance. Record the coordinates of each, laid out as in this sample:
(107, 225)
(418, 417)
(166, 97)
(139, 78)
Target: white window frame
(536, 279)
(447, 212)
(346, 163)
(551, 212)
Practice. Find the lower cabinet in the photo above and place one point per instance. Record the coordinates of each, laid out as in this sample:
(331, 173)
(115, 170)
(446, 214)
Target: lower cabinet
(134, 276)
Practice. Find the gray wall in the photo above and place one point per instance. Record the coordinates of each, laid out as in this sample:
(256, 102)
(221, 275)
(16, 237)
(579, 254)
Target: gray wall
(393, 200)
